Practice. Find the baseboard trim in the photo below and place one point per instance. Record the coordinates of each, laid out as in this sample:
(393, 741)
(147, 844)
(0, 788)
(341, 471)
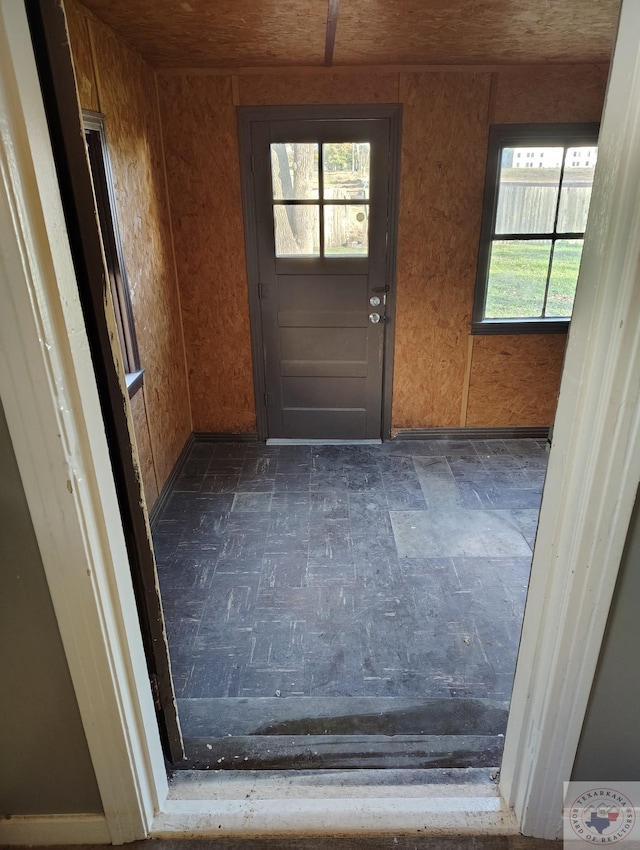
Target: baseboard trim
(541, 433)
(223, 437)
(54, 829)
(160, 502)
(195, 437)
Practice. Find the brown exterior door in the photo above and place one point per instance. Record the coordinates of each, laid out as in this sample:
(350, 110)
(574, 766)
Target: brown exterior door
(321, 194)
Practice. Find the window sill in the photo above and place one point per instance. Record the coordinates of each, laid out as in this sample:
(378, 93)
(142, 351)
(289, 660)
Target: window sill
(134, 381)
(521, 326)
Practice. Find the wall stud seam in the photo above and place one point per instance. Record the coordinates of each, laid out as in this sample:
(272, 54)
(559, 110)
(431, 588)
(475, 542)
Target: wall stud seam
(467, 381)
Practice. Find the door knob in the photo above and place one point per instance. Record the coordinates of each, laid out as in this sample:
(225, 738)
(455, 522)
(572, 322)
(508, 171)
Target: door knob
(374, 318)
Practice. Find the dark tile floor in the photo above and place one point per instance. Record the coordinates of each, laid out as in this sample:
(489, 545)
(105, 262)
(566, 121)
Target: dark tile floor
(391, 570)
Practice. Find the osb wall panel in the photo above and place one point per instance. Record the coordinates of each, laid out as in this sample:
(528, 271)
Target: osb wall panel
(515, 380)
(145, 453)
(201, 149)
(127, 95)
(276, 89)
(562, 94)
(443, 159)
(77, 26)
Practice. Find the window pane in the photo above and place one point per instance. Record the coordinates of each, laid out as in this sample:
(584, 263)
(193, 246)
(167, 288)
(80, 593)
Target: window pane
(297, 230)
(345, 167)
(575, 194)
(564, 276)
(294, 171)
(346, 230)
(528, 189)
(517, 279)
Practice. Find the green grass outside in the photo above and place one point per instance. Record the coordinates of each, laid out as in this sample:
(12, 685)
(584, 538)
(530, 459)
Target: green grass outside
(518, 274)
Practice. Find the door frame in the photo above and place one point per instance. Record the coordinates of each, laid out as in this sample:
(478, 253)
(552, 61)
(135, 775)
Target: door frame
(49, 393)
(247, 115)
(80, 193)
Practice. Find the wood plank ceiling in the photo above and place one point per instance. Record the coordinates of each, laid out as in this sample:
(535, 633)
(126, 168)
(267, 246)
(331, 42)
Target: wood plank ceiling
(286, 33)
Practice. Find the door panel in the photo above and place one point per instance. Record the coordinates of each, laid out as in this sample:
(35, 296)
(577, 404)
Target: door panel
(339, 425)
(326, 368)
(322, 344)
(321, 193)
(302, 293)
(327, 392)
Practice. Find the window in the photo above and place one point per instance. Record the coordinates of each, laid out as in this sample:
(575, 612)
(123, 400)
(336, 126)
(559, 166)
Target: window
(533, 227)
(320, 198)
(106, 208)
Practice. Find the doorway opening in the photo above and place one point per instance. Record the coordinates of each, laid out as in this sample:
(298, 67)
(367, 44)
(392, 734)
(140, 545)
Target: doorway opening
(244, 760)
(597, 460)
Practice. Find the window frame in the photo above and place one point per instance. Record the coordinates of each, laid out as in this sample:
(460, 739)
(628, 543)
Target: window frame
(500, 137)
(104, 193)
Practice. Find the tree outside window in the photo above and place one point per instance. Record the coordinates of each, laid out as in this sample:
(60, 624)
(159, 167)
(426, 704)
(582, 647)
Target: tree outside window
(320, 198)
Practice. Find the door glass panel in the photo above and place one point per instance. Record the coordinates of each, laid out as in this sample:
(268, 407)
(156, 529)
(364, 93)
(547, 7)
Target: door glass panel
(297, 230)
(564, 276)
(345, 169)
(294, 171)
(517, 279)
(576, 189)
(528, 189)
(346, 230)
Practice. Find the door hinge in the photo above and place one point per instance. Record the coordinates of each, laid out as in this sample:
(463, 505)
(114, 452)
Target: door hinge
(263, 291)
(155, 692)
(253, 163)
(268, 399)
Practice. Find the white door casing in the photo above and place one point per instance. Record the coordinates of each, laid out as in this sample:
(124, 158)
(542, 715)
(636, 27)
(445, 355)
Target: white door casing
(593, 473)
(48, 390)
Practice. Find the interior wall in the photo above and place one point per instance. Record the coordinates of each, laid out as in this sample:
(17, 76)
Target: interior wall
(514, 380)
(113, 80)
(41, 734)
(443, 376)
(442, 180)
(199, 127)
(609, 748)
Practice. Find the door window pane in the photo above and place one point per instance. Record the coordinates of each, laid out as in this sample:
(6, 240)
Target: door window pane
(564, 276)
(294, 171)
(346, 230)
(297, 230)
(575, 194)
(345, 167)
(528, 189)
(517, 279)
